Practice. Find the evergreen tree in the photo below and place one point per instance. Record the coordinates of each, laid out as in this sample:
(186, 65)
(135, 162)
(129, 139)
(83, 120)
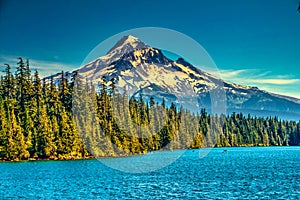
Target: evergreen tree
(7, 84)
(16, 142)
(39, 119)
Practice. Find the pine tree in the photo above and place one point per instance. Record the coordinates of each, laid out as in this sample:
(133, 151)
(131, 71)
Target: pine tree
(45, 120)
(64, 93)
(3, 131)
(22, 86)
(45, 145)
(8, 90)
(16, 142)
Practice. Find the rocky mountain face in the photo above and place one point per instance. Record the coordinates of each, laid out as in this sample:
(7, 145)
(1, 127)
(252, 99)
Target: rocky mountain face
(141, 69)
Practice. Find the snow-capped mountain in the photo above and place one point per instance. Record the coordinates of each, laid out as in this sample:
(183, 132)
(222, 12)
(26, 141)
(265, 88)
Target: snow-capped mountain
(139, 68)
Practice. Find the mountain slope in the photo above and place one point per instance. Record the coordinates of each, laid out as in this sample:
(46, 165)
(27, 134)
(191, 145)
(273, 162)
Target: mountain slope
(139, 68)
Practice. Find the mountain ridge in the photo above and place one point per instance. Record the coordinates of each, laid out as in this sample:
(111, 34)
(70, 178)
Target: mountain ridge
(137, 66)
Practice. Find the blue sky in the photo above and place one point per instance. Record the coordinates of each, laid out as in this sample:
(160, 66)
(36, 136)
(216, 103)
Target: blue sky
(252, 42)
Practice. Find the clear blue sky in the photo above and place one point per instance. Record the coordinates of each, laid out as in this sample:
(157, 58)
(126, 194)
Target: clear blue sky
(252, 42)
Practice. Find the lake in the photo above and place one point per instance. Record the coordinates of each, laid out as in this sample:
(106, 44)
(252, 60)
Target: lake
(239, 173)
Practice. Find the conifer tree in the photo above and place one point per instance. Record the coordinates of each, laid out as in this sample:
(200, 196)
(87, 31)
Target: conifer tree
(16, 142)
(8, 83)
(3, 131)
(40, 119)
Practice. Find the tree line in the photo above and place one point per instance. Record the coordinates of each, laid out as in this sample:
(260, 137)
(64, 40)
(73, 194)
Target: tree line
(41, 119)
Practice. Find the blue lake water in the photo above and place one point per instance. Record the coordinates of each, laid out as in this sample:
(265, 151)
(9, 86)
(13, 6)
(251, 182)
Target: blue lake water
(241, 173)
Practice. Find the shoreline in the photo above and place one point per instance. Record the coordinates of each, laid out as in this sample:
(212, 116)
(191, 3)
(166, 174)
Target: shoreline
(48, 159)
(70, 158)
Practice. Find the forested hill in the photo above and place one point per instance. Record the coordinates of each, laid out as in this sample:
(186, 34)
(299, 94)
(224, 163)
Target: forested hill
(36, 122)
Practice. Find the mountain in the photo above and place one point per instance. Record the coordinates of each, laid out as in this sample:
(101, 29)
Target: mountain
(141, 69)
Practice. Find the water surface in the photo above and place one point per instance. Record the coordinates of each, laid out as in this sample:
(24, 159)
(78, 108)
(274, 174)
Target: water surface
(241, 173)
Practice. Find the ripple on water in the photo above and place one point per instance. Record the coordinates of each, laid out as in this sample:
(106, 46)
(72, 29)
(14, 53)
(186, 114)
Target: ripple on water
(242, 173)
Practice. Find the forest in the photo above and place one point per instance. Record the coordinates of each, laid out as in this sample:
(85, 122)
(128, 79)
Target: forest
(71, 119)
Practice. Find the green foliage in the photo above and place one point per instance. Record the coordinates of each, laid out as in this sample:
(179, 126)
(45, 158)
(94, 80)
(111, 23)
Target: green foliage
(37, 121)
(35, 117)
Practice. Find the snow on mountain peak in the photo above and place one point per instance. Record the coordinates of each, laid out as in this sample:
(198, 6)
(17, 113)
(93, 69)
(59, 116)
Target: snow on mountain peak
(138, 67)
(126, 44)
